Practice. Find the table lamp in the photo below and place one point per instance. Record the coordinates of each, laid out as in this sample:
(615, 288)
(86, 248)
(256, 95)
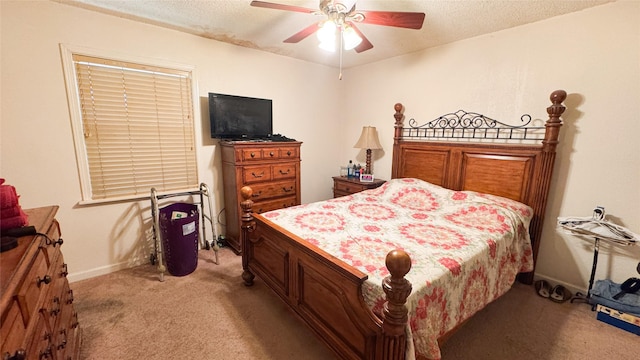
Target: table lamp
(369, 141)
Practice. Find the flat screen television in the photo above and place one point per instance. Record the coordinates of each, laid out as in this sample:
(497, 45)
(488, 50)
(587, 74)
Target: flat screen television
(240, 117)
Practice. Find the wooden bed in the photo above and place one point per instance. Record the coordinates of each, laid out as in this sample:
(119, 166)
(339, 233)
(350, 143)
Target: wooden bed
(477, 154)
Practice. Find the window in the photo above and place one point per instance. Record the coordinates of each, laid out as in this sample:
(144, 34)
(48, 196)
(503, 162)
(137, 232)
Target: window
(133, 127)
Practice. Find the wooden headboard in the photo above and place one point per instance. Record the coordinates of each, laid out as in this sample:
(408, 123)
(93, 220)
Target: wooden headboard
(469, 151)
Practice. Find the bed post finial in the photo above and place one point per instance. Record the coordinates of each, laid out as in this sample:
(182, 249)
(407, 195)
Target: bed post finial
(554, 123)
(398, 125)
(397, 289)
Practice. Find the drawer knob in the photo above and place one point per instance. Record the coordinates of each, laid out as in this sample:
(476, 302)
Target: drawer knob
(287, 189)
(253, 155)
(257, 175)
(64, 271)
(63, 343)
(70, 299)
(46, 354)
(58, 242)
(257, 195)
(289, 153)
(271, 153)
(285, 172)
(46, 279)
(56, 310)
(75, 322)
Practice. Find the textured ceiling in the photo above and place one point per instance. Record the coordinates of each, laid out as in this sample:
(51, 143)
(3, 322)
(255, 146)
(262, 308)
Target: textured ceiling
(236, 22)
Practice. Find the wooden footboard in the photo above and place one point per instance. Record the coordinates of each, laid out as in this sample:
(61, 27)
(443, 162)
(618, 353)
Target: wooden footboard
(324, 291)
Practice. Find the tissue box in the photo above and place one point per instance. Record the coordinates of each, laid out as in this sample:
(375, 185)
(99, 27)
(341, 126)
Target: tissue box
(618, 319)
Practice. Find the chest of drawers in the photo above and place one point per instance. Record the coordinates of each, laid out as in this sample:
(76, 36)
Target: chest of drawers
(272, 169)
(38, 316)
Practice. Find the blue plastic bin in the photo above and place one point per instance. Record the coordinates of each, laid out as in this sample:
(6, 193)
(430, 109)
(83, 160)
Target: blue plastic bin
(179, 232)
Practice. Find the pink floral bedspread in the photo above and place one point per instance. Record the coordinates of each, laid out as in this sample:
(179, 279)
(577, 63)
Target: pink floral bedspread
(466, 248)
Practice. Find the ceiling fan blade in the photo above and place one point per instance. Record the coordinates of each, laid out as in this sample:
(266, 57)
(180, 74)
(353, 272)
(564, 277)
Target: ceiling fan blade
(365, 44)
(268, 5)
(409, 20)
(302, 33)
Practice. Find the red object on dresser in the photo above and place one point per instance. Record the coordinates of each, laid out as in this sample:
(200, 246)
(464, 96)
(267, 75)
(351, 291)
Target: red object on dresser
(11, 214)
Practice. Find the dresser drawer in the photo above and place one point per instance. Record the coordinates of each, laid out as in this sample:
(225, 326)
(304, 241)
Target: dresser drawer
(250, 154)
(271, 153)
(40, 346)
(343, 186)
(284, 171)
(266, 191)
(12, 324)
(348, 188)
(63, 333)
(35, 284)
(54, 302)
(264, 206)
(254, 174)
(292, 153)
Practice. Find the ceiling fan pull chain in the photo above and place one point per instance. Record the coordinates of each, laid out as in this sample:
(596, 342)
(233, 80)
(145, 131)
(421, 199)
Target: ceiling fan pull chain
(340, 76)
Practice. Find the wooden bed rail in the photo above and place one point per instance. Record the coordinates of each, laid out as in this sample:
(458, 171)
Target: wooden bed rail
(325, 292)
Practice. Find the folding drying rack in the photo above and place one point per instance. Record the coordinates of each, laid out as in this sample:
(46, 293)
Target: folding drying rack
(202, 192)
(599, 229)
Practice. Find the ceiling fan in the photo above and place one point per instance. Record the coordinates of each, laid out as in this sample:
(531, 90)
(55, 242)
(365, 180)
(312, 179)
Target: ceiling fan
(341, 20)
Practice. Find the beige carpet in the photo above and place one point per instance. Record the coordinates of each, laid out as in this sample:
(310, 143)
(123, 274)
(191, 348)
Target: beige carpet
(209, 314)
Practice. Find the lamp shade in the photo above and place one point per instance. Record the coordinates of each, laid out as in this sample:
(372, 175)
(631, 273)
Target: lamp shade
(368, 139)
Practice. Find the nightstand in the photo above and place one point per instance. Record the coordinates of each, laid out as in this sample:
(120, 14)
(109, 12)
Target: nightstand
(350, 185)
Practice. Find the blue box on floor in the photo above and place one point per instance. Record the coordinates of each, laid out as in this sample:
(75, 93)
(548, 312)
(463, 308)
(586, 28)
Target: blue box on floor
(618, 319)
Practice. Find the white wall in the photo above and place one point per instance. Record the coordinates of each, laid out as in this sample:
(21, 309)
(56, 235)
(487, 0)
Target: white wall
(594, 56)
(38, 155)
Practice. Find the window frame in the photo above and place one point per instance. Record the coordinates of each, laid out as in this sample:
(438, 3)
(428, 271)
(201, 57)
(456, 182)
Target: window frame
(75, 112)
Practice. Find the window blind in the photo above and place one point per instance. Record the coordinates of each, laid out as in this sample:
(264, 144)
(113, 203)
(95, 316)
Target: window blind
(138, 129)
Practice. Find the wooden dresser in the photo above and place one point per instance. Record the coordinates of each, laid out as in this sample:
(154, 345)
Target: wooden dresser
(38, 317)
(350, 185)
(272, 169)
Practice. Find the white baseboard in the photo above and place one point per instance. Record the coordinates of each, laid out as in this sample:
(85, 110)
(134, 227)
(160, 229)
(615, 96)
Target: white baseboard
(83, 275)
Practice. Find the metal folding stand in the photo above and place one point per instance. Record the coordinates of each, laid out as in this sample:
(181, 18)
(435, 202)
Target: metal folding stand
(599, 229)
(580, 297)
(202, 192)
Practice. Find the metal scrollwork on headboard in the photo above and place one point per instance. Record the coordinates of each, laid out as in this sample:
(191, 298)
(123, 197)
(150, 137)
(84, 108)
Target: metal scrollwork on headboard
(469, 125)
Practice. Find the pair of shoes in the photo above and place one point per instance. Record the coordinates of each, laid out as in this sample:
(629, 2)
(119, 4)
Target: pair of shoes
(557, 294)
(560, 294)
(543, 288)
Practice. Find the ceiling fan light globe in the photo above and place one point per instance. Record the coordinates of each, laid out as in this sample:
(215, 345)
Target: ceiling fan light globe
(327, 31)
(350, 38)
(327, 46)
